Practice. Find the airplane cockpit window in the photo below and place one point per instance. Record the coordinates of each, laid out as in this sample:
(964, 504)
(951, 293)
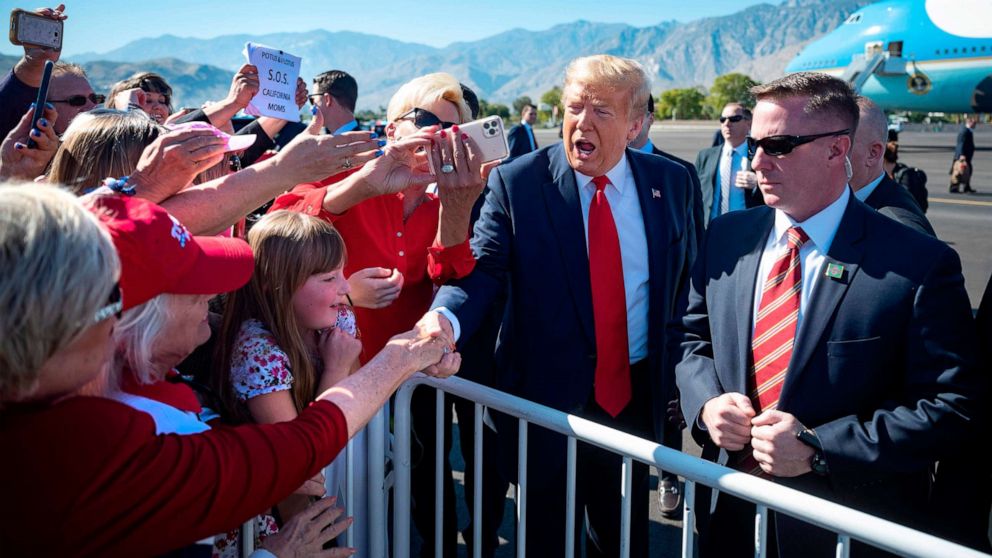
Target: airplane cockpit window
(854, 18)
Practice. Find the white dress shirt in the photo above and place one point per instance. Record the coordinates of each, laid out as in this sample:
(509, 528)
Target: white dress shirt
(863, 193)
(821, 229)
(626, 209)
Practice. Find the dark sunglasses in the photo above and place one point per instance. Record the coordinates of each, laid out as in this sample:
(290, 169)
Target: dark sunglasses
(423, 118)
(80, 100)
(734, 118)
(114, 306)
(783, 145)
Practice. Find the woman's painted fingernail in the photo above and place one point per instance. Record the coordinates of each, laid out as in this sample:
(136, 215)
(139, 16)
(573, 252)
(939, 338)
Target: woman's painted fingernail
(464, 136)
(444, 134)
(380, 153)
(313, 111)
(373, 135)
(43, 122)
(31, 106)
(50, 105)
(454, 128)
(18, 146)
(35, 132)
(382, 143)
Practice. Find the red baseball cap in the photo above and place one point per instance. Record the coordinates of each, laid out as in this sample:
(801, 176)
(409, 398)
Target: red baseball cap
(159, 255)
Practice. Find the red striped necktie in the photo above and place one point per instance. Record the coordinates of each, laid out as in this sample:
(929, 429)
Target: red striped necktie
(775, 331)
(609, 305)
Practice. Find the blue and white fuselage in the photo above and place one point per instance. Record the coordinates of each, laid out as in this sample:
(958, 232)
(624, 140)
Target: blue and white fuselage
(921, 55)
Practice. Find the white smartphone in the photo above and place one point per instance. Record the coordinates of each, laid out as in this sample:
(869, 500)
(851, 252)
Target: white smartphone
(488, 134)
(28, 28)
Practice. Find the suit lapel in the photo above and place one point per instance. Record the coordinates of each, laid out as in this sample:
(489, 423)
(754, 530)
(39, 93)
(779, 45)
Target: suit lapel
(565, 211)
(754, 238)
(845, 253)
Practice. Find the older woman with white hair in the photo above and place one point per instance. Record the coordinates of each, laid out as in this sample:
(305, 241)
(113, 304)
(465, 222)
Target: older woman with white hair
(93, 476)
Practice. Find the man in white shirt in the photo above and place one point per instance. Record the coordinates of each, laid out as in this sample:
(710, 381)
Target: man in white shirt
(590, 242)
(334, 94)
(825, 346)
(521, 137)
(727, 182)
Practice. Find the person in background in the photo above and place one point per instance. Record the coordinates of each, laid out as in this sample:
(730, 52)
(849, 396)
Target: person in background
(725, 177)
(964, 151)
(521, 137)
(868, 180)
(146, 91)
(334, 94)
(669, 491)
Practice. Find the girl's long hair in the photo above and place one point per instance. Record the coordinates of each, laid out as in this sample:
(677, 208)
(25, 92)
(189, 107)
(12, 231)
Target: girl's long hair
(289, 247)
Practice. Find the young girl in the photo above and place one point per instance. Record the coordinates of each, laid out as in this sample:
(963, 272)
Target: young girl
(289, 335)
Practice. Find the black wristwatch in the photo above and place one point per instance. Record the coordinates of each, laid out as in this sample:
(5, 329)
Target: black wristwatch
(818, 462)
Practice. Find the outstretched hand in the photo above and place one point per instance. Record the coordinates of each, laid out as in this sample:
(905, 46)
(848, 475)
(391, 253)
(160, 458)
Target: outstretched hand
(19, 161)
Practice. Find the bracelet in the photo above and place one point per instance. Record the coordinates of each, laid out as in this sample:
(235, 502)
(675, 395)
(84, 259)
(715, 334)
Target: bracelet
(120, 185)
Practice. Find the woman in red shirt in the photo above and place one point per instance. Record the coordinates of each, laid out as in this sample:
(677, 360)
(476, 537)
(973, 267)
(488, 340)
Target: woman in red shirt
(403, 240)
(88, 475)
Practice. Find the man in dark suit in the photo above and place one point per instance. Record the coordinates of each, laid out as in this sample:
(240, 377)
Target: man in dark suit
(590, 243)
(521, 137)
(965, 149)
(669, 491)
(726, 180)
(868, 179)
(825, 346)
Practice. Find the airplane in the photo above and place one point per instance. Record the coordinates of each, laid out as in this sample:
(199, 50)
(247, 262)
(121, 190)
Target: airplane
(918, 55)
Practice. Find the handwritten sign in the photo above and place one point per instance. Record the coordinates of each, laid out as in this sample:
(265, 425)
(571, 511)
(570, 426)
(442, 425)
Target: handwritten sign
(277, 73)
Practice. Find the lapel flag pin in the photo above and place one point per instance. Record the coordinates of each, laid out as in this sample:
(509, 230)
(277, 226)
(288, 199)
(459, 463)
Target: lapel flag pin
(655, 193)
(835, 271)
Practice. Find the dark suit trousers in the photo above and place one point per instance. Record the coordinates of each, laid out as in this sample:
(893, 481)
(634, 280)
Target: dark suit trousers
(422, 410)
(597, 487)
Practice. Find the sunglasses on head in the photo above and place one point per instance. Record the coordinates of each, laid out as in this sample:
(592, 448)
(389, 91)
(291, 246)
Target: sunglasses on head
(80, 100)
(783, 145)
(734, 118)
(423, 118)
(113, 307)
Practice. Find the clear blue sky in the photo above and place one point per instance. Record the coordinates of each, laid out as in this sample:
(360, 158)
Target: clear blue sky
(102, 25)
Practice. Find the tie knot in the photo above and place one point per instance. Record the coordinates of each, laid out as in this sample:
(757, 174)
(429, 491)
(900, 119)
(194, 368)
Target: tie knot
(601, 182)
(796, 237)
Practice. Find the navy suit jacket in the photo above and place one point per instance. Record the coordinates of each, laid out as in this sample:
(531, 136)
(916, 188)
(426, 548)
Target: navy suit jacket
(519, 141)
(895, 202)
(697, 201)
(882, 366)
(965, 144)
(529, 243)
(708, 166)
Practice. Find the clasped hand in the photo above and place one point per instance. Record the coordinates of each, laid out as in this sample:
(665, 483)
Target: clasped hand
(731, 423)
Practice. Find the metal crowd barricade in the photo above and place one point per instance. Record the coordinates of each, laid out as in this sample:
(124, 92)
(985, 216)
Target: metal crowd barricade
(849, 524)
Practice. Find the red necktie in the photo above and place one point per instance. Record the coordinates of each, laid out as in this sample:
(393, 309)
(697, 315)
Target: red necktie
(609, 305)
(775, 330)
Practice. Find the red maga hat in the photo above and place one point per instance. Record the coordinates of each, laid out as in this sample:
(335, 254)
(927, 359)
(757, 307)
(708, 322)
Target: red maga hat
(159, 255)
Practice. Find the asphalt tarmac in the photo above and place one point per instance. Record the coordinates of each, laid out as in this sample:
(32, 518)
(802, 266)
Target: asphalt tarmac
(963, 221)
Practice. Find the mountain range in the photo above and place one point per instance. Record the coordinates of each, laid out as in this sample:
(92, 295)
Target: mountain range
(758, 40)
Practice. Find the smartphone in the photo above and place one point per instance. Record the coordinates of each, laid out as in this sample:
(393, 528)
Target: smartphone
(489, 134)
(39, 102)
(29, 28)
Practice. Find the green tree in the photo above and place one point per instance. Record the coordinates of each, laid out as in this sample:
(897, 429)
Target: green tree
(684, 104)
(551, 98)
(729, 88)
(489, 109)
(520, 102)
